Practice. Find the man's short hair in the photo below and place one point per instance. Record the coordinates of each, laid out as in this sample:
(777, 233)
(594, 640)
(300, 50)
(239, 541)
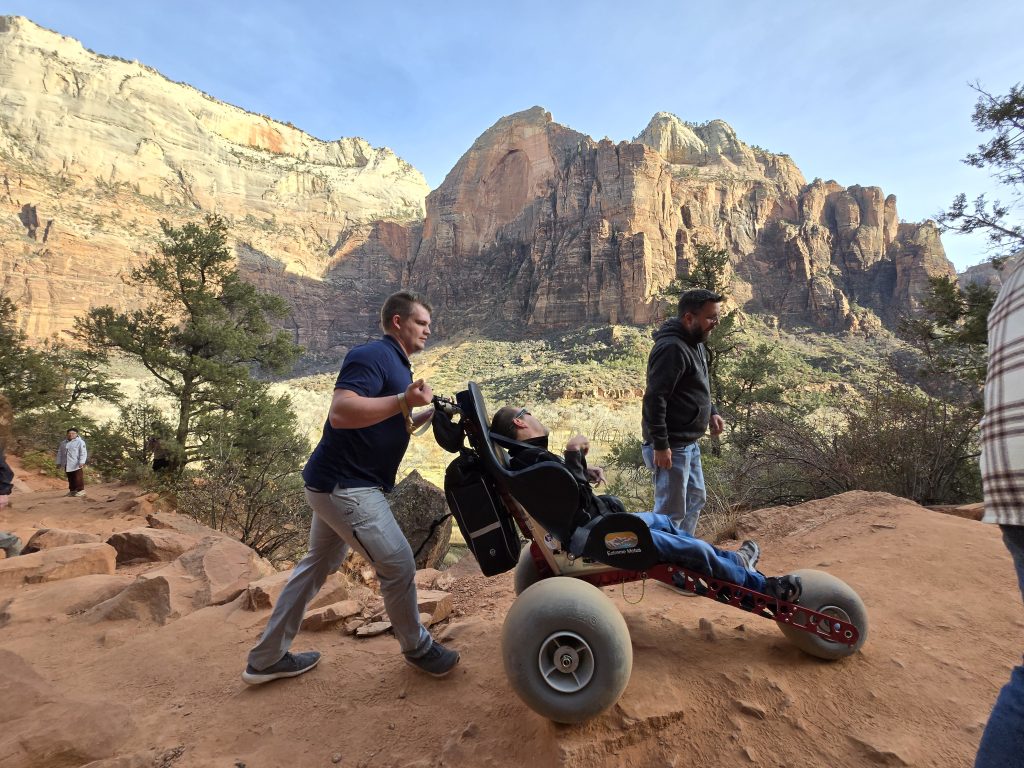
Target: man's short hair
(502, 421)
(692, 301)
(400, 304)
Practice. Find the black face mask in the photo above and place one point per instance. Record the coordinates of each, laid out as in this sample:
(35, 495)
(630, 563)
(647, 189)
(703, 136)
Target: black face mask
(539, 442)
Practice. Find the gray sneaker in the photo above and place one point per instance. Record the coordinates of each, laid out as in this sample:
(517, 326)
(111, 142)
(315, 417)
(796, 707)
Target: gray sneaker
(290, 665)
(437, 661)
(750, 553)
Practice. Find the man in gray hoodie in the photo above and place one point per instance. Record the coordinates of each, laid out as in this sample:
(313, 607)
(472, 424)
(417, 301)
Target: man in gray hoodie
(677, 408)
(71, 457)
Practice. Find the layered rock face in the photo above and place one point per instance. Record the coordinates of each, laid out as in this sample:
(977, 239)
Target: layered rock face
(536, 227)
(540, 226)
(95, 150)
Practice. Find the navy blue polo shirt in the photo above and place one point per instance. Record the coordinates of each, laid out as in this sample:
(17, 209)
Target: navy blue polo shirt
(367, 457)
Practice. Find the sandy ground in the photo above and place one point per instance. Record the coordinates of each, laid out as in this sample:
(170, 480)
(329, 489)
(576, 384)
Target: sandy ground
(946, 623)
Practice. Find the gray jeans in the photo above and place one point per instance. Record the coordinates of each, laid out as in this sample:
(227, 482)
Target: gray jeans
(358, 518)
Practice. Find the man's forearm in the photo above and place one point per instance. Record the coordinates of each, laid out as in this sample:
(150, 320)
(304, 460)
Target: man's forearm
(352, 411)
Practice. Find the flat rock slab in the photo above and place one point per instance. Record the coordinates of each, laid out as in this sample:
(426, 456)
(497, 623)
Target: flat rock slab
(50, 538)
(152, 544)
(436, 603)
(323, 618)
(70, 597)
(373, 629)
(58, 563)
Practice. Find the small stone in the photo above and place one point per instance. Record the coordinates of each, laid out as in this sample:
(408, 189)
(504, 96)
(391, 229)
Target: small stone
(336, 757)
(707, 631)
(391, 726)
(373, 629)
(401, 694)
(352, 625)
(754, 710)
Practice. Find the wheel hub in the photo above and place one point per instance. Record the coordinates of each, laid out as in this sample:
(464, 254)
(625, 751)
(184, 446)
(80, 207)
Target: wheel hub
(567, 659)
(566, 662)
(834, 612)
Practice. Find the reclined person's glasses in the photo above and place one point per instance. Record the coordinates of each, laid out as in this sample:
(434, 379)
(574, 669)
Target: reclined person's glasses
(522, 412)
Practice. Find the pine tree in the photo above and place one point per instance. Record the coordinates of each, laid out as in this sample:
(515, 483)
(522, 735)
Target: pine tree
(203, 334)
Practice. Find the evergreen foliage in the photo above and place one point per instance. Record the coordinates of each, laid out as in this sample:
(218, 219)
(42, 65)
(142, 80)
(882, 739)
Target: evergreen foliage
(203, 334)
(1003, 156)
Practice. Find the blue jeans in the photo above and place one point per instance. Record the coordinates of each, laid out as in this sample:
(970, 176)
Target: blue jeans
(349, 517)
(696, 554)
(1002, 744)
(679, 491)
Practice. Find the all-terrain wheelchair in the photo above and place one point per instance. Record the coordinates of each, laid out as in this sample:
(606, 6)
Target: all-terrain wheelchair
(566, 648)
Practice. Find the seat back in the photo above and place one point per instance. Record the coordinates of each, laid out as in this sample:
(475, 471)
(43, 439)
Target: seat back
(547, 491)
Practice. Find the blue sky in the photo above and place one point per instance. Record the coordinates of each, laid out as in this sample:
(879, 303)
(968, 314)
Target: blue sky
(860, 93)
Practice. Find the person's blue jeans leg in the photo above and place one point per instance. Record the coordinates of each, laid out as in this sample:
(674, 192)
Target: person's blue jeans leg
(679, 492)
(674, 546)
(1002, 743)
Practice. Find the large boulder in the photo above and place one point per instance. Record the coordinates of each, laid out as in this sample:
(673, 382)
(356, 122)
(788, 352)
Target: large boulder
(60, 563)
(144, 600)
(215, 571)
(70, 597)
(150, 544)
(417, 504)
(50, 538)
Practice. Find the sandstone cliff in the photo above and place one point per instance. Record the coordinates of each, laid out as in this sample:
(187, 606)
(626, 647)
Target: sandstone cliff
(536, 227)
(544, 226)
(94, 150)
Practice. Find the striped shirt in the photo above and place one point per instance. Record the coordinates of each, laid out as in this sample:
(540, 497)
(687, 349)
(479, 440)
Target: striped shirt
(1002, 429)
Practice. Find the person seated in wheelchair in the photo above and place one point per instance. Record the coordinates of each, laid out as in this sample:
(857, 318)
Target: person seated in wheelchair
(673, 546)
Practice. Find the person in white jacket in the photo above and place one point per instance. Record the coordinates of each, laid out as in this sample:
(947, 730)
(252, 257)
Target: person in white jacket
(71, 457)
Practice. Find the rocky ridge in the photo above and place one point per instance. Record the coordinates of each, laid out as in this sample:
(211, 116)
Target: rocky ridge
(94, 150)
(536, 227)
(546, 227)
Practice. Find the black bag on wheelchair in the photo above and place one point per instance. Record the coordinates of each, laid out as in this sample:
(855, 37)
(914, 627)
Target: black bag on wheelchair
(488, 529)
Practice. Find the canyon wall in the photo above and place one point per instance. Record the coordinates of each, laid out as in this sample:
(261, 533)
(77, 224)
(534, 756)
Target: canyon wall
(536, 227)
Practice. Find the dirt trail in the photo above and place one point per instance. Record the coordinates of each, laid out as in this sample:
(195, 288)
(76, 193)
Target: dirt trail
(945, 626)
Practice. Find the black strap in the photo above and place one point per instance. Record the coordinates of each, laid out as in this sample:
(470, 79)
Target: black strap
(433, 527)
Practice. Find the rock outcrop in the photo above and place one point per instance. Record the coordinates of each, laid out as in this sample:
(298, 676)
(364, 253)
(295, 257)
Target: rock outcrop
(66, 562)
(95, 150)
(540, 226)
(536, 227)
(418, 506)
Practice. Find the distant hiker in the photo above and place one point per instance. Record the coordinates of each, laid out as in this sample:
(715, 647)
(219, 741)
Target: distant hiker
(72, 456)
(161, 456)
(1002, 475)
(10, 544)
(6, 480)
(363, 442)
(677, 408)
(673, 545)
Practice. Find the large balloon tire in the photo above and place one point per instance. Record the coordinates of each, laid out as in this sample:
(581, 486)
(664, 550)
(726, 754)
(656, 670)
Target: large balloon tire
(825, 593)
(526, 574)
(566, 650)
